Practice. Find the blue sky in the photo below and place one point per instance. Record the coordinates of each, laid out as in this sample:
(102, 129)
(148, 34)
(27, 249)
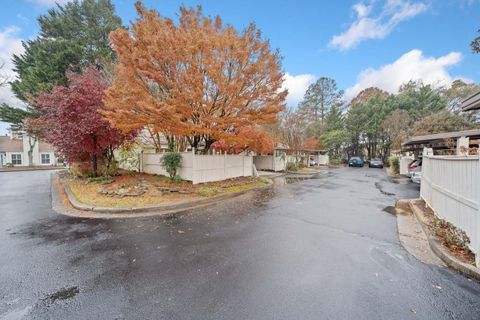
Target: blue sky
(358, 43)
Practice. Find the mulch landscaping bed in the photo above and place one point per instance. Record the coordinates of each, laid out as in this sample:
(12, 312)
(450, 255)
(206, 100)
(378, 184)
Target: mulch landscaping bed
(451, 238)
(139, 189)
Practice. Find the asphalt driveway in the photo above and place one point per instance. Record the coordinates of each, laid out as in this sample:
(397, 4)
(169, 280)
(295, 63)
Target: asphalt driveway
(324, 248)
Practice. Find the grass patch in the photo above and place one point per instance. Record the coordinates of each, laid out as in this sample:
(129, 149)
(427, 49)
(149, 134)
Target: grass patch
(244, 187)
(208, 191)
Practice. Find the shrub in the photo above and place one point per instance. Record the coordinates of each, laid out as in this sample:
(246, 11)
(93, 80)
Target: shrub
(336, 161)
(9, 165)
(452, 236)
(81, 169)
(177, 179)
(171, 162)
(84, 169)
(264, 180)
(292, 166)
(129, 156)
(394, 164)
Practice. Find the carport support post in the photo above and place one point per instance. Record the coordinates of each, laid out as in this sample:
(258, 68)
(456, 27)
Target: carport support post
(462, 143)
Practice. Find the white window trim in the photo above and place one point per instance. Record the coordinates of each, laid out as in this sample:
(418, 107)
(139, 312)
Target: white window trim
(42, 156)
(14, 162)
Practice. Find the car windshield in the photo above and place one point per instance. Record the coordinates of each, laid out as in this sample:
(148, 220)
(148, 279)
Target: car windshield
(354, 158)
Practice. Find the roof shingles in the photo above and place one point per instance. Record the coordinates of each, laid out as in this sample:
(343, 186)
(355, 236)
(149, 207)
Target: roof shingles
(10, 145)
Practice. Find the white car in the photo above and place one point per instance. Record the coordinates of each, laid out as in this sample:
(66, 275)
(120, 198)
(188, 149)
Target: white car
(416, 177)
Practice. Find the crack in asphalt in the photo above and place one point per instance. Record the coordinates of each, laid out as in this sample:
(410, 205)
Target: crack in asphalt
(379, 187)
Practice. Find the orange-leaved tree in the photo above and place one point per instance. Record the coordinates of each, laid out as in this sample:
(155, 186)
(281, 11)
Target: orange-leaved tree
(312, 143)
(198, 79)
(247, 138)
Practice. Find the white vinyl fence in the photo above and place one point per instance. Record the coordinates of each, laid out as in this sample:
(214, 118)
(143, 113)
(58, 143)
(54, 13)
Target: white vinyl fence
(403, 164)
(270, 162)
(323, 159)
(203, 168)
(450, 186)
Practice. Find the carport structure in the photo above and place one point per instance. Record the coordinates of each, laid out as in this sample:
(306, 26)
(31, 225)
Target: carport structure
(445, 143)
(471, 103)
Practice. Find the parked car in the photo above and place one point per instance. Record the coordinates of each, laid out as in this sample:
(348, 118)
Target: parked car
(313, 163)
(416, 177)
(355, 162)
(414, 166)
(375, 163)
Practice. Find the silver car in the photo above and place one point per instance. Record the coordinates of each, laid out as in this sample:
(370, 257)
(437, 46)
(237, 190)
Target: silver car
(416, 177)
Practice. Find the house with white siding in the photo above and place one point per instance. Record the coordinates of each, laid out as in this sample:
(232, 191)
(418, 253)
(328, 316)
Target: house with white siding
(14, 149)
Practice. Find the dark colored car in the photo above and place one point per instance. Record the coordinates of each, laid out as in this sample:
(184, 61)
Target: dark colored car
(355, 162)
(375, 163)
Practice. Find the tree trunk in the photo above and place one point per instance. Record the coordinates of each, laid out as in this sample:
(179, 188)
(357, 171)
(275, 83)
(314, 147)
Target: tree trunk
(30, 151)
(208, 144)
(94, 158)
(171, 143)
(94, 165)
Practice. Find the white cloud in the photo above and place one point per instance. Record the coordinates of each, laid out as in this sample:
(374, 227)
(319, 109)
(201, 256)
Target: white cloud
(369, 26)
(413, 65)
(10, 44)
(297, 85)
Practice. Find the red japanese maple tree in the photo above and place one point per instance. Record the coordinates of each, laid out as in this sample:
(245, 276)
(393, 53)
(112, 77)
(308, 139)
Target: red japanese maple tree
(74, 126)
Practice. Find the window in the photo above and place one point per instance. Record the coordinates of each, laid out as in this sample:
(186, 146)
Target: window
(45, 158)
(16, 158)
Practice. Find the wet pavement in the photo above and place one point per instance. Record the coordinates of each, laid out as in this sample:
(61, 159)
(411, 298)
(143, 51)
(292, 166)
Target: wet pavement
(321, 248)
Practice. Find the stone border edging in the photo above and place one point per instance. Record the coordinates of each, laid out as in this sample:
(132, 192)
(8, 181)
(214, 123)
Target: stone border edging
(438, 249)
(183, 205)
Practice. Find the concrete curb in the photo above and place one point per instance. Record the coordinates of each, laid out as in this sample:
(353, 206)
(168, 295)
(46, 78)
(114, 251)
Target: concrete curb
(19, 169)
(295, 173)
(273, 175)
(179, 206)
(438, 249)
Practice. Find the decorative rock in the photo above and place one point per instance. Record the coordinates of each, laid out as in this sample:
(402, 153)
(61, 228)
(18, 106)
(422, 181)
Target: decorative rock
(123, 191)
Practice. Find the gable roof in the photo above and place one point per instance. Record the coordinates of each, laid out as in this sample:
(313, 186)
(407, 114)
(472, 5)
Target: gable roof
(10, 145)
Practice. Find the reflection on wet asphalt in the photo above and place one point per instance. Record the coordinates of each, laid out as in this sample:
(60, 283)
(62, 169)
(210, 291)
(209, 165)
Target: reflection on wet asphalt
(310, 247)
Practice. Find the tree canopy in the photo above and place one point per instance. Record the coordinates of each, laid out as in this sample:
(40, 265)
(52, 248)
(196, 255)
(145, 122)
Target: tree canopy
(72, 37)
(198, 79)
(319, 98)
(75, 127)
